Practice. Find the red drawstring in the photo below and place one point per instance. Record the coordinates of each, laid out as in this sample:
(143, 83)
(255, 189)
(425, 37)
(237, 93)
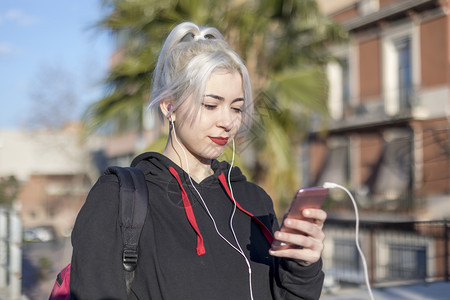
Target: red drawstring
(191, 217)
(267, 233)
(190, 214)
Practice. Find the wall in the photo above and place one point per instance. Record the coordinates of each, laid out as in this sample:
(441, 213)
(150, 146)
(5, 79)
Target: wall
(369, 70)
(433, 35)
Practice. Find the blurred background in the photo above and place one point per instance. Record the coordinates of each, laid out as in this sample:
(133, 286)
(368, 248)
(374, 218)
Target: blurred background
(354, 92)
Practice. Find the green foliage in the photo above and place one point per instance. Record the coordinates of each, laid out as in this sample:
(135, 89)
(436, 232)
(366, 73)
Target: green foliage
(45, 263)
(283, 43)
(227, 155)
(159, 144)
(9, 188)
(45, 267)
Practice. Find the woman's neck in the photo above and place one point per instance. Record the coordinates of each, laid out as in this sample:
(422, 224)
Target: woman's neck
(197, 168)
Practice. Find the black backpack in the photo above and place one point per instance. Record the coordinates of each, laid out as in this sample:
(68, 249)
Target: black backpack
(133, 195)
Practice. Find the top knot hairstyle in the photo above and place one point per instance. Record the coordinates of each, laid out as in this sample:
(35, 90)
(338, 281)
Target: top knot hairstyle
(188, 57)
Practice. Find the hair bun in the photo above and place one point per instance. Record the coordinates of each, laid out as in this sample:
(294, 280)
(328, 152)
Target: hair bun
(192, 37)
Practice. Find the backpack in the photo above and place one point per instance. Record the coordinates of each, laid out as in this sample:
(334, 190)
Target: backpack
(133, 195)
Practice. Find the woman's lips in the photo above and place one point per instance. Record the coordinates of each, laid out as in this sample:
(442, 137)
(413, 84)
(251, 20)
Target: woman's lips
(219, 140)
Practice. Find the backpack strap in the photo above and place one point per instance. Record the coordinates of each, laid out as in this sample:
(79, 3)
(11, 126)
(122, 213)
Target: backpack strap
(133, 195)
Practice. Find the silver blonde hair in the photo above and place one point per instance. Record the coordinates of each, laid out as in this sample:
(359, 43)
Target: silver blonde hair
(188, 57)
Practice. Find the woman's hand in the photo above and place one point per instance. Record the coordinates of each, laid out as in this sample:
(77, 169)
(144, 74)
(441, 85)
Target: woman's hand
(305, 237)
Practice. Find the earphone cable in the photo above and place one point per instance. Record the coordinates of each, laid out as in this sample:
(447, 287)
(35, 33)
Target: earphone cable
(231, 222)
(363, 259)
(238, 249)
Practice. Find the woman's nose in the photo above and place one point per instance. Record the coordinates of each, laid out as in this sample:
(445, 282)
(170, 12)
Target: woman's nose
(226, 120)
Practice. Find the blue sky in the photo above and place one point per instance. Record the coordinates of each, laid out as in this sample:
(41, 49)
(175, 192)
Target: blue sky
(49, 34)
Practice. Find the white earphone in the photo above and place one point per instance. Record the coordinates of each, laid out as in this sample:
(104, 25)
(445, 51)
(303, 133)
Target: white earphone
(238, 247)
(170, 111)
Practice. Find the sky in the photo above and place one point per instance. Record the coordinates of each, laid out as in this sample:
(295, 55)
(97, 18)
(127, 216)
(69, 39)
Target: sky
(56, 36)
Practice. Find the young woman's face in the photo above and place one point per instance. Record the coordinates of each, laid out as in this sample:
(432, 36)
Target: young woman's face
(218, 119)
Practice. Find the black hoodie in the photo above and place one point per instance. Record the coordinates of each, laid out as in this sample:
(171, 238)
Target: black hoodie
(177, 260)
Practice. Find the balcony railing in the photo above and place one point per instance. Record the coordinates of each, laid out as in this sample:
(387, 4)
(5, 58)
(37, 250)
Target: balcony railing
(395, 252)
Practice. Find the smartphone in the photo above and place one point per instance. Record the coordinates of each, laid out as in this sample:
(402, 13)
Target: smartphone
(312, 197)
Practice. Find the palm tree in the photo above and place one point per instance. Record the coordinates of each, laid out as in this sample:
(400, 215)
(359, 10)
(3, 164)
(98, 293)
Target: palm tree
(283, 43)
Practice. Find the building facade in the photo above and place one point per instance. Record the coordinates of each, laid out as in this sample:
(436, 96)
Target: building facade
(55, 170)
(388, 139)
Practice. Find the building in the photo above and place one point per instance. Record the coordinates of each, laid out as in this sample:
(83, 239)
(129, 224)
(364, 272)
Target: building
(55, 170)
(388, 138)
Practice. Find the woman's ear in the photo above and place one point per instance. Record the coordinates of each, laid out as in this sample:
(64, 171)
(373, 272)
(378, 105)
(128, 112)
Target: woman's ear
(167, 110)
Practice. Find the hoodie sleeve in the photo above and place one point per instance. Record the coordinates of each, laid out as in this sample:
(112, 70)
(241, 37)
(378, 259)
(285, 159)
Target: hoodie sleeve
(96, 271)
(298, 282)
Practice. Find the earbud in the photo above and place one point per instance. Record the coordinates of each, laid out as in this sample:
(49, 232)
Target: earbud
(169, 114)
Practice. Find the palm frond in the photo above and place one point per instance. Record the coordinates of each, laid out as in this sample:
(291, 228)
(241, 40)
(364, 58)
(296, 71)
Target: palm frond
(284, 45)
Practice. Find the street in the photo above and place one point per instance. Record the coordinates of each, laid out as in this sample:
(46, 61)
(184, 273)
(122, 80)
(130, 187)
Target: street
(41, 262)
(419, 291)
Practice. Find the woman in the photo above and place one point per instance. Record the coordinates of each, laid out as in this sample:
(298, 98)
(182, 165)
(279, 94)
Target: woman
(197, 242)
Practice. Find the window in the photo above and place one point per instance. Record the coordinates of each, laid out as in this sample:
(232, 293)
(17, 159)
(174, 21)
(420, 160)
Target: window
(368, 6)
(346, 257)
(407, 261)
(400, 68)
(346, 263)
(339, 87)
(336, 167)
(391, 180)
(404, 79)
(345, 73)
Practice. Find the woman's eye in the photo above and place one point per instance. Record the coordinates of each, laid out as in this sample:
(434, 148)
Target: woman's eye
(209, 106)
(237, 109)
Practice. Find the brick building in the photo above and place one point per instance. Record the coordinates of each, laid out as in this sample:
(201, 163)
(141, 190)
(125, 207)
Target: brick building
(389, 103)
(388, 139)
(55, 171)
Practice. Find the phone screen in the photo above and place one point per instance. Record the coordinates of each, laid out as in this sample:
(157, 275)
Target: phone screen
(312, 197)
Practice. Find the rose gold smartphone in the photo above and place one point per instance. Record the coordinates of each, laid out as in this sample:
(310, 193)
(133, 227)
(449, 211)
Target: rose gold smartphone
(312, 197)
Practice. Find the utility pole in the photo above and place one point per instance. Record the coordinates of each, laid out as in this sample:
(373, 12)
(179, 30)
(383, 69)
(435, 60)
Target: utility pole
(15, 250)
(10, 254)
(3, 248)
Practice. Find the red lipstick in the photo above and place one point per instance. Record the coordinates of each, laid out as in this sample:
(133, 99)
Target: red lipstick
(219, 140)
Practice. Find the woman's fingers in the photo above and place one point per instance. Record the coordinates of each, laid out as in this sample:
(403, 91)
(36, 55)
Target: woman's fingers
(304, 237)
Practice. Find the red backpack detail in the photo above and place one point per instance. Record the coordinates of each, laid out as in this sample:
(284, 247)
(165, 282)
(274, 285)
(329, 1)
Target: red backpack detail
(61, 288)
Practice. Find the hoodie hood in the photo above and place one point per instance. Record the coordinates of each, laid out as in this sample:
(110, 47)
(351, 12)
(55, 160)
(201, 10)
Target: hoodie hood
(159, 166)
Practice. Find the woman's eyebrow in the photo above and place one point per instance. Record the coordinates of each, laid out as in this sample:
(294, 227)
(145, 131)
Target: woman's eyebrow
(220, 98)
(215, 97)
